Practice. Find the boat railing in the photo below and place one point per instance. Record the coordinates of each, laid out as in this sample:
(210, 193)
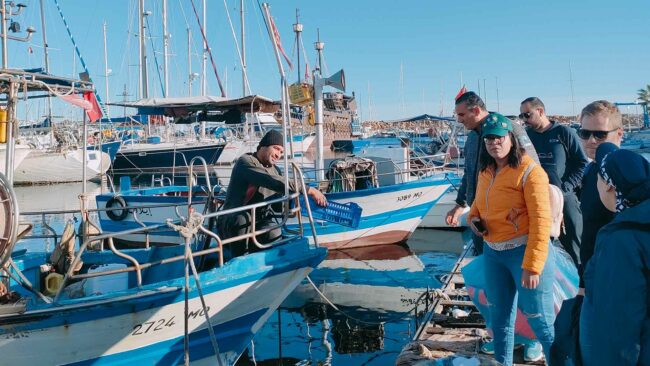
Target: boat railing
(418, 167)
(42, 215)
(189, 228)
(160, 180)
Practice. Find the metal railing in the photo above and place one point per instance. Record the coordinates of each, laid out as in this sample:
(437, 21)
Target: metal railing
(188, 228)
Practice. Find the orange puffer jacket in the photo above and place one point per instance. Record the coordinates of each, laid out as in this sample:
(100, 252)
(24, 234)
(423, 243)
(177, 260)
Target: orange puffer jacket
(509, 210)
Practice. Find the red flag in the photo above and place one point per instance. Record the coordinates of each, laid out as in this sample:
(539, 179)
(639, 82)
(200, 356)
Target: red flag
(307, 71)
(94, 113)
(276, 35)
(462, 91)
(76, 100)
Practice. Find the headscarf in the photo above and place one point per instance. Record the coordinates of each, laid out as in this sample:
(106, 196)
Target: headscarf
(629, 174)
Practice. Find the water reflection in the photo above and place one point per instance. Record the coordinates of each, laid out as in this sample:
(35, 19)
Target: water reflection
(53, 197)
(375, 291)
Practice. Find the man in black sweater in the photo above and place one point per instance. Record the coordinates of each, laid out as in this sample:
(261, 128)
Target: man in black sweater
(563, 159)
(255, 178)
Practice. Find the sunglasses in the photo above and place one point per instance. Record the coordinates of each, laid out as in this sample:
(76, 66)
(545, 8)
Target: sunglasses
(598, 135)
(493, 139)
(525, 115)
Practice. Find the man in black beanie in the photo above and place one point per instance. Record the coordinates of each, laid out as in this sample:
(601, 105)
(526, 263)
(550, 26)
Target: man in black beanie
(254, 179)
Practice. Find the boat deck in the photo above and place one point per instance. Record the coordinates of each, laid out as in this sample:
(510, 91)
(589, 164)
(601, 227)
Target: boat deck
(452, 325)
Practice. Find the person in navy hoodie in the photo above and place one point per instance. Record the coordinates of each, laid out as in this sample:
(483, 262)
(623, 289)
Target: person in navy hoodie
(615, 321)
(563, 159)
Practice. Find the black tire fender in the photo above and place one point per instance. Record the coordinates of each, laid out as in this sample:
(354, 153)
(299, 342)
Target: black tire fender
(123, 211)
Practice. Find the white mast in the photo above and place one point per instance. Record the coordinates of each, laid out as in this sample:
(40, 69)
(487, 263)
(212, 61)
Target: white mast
(190, 76)
(204, 84)
(165, 48)
(318, 109)
(243, 51)
(144, 78)
(106, 71)
(297, 28)
(47, 60)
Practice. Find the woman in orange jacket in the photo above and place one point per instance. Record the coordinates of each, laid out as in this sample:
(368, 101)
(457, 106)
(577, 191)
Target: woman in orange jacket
(512, 213)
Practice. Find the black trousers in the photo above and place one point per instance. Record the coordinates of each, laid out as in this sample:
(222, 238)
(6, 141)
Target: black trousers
(570, 236)
(230, 226)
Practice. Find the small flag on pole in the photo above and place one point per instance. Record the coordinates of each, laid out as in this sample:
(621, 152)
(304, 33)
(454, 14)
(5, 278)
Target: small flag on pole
(276, 35)
(462, 91)
(95, 112)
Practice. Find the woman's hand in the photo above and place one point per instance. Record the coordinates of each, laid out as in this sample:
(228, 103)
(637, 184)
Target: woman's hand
(477, 226)
(529, 279)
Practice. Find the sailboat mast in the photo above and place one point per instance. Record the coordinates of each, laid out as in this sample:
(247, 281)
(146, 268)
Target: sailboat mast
(3, 22)
(47, 59)
(189, 62)
(243, 50)
(297, 28)
(165, 48)
(204, 84)
(318, 45)
(144, 79)
(108, 110)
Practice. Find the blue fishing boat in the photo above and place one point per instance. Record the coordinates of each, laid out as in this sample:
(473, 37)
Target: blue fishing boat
(390, 212)
(94, 304)
(104, 306)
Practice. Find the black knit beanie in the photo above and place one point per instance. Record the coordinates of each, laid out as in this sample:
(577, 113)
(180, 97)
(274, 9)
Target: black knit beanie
(273, 137)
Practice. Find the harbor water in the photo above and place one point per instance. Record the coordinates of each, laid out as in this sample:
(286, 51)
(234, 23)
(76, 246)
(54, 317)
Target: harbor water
(377, 293)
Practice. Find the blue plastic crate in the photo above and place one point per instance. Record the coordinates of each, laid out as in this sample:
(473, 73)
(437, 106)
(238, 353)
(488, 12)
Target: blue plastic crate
(346, 214)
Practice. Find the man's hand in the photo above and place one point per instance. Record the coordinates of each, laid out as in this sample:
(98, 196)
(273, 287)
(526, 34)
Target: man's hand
(453, 215)
(529, 279)
(318, 196)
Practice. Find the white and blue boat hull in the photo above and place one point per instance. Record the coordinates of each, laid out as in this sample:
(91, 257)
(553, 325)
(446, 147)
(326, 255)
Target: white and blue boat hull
(145, 325)
(390, 214)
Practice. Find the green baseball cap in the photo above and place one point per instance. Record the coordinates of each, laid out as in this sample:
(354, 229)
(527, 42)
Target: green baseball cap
(496, 124)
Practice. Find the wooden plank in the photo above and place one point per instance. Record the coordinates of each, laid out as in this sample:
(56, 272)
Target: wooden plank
(457, 303)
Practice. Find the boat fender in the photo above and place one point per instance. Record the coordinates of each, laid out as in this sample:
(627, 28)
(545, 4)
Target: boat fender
(113, 214)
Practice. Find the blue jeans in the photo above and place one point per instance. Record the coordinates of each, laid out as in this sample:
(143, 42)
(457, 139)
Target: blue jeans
(504, 292)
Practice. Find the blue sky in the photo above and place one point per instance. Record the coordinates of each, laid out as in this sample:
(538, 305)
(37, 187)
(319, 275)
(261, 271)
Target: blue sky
(401, 58)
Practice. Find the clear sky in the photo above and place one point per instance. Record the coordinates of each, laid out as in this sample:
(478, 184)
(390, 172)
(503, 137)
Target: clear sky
(401, 58)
